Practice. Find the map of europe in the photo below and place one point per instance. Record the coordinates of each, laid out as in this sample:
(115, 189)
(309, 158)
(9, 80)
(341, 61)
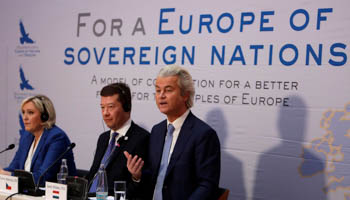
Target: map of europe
(330, 153)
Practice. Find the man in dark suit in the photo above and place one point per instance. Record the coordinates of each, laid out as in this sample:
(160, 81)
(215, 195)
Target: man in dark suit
(124, 135)
(184, 157)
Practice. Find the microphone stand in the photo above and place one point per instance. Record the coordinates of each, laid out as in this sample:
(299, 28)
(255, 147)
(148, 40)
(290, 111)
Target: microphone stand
(107, 161)
(47, 169)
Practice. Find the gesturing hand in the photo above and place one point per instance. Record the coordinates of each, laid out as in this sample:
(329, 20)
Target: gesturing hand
(134, 164)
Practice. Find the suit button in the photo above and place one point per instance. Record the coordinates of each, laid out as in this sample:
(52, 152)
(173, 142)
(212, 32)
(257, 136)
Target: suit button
(165, 187)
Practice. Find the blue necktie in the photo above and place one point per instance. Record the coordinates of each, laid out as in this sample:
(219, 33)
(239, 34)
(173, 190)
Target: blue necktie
(164, 163)
(109, 150)
(105, 159)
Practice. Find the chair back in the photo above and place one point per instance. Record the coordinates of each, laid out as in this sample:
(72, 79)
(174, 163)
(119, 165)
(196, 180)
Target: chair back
(223, 193)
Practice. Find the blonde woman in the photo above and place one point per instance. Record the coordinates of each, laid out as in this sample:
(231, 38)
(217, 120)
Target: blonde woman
(41, 142)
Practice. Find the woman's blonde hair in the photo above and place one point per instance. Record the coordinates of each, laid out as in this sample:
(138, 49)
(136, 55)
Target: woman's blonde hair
(45, 107)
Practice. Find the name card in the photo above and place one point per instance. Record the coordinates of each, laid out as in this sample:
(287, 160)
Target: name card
(54, 191)
(8, 184)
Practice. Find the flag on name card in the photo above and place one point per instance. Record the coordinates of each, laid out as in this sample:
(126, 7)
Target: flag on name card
(8, 187)
(55, 194)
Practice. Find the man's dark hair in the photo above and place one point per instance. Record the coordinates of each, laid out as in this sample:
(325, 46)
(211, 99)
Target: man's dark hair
(123, 92)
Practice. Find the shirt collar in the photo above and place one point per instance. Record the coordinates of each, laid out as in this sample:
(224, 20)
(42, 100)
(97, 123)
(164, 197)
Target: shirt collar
(122, 130)
(179, 121)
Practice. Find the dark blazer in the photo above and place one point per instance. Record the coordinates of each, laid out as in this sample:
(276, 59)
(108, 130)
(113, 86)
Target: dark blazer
(52, 144)
(194, 167)
(136, 144)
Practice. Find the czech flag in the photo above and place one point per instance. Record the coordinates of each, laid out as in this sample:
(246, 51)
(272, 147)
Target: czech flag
(8, 187)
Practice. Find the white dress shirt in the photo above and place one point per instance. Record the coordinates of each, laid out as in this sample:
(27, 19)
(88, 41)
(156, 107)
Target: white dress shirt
(30, 155)
(121, 131)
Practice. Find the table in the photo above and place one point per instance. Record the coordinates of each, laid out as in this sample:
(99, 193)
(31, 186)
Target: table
(20, 197)
(27, 197)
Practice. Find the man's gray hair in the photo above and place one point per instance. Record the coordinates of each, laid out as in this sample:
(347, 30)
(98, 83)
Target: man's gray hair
(185, 81)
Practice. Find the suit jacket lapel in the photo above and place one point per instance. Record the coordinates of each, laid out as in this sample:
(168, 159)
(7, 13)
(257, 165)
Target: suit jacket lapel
(104, 144)
(122, 142)
(184, 135)
(39, 147)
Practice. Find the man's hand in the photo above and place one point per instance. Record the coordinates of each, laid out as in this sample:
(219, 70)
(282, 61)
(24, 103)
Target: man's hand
(3, 172)
(134, 165)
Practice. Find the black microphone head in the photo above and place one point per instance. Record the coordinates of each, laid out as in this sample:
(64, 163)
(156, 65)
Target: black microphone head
(121, 139)
(72, 145)
(11, 146)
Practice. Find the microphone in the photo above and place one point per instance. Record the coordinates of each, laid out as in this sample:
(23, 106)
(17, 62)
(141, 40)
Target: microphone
(121, 140)
(11, 146)
(70, 147)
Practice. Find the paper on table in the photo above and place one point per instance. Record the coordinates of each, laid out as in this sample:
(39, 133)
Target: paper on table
(108, 198)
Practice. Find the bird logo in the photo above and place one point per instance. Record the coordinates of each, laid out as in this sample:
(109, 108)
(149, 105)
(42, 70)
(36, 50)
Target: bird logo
(25, 36)
(24, 82)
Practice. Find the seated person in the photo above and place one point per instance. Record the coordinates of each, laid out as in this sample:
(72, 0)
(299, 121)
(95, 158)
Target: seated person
(124, 135)
(41, 143)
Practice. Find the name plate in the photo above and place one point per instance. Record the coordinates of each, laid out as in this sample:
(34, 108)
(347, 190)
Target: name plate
(54, 191)
(8, 184)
